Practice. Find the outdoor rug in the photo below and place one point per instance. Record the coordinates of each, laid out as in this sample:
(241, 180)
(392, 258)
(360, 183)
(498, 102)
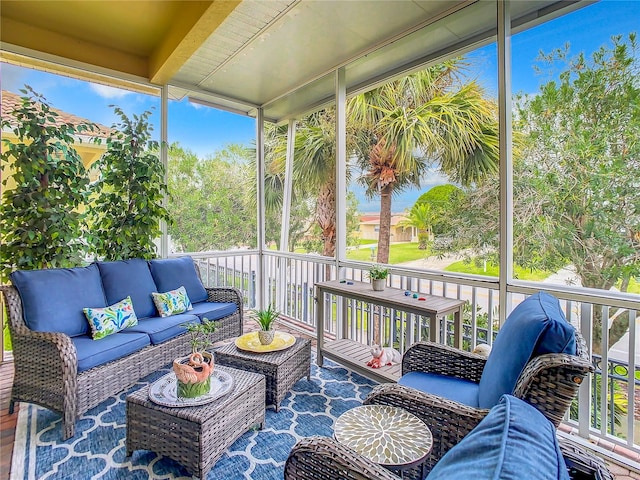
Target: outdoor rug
(97, 450)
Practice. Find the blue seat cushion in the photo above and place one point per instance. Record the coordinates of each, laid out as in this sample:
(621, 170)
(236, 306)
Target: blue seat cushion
(53, 299)
(213, 310)
(92, 353)
(535, 327)
(129, 278)
(172, 273)
(513, 442)
(161, 329)
(453, 388)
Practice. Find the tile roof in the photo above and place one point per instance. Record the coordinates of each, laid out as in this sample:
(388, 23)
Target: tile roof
(10, 101)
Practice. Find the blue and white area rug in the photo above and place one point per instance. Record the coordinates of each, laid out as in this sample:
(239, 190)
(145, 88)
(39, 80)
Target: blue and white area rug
(97, 450)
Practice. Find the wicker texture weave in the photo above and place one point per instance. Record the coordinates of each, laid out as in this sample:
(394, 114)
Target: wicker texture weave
(46, 366)
(322, 458)
(196, 436)
(282, 368)
(549, 382)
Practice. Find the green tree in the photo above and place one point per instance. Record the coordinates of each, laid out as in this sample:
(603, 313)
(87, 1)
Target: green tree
(127, 199)
(433, 112)
(576, 197)
(40, 218)
(209, 201)
(443, 200)
(421, 216)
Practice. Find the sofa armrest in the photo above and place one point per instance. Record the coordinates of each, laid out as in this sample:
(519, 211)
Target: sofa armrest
(316, 458)
(45, 363)
(436, 358)
(448, 421)
(582, 464)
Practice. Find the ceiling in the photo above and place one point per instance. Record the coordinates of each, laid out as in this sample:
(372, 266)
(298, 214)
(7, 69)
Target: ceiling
(239, 55)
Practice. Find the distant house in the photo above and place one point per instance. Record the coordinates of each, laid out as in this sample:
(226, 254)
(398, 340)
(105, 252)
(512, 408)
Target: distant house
(369, 228)
(89, 150)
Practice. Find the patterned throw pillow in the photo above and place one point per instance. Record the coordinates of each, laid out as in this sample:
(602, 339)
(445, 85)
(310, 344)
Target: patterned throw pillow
(111, 319)
(172, 302)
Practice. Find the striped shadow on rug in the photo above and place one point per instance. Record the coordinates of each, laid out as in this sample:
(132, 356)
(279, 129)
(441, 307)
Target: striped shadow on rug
(97, 450)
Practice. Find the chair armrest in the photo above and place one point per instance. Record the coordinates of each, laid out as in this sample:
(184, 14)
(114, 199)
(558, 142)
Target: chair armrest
(448, 421)
(436, 358)
(225, 294)
(564, 372)
(582, 464)
(318, 458)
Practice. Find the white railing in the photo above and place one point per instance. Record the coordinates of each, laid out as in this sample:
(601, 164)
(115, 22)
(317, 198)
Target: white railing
(289, 281)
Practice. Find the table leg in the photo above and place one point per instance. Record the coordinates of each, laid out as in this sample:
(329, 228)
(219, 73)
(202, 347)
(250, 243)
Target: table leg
(457, 327)
(434, 328)
(319, 326)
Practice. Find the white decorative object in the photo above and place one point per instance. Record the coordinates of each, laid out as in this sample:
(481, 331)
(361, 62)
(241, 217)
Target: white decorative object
(164, 391)
(383, 356)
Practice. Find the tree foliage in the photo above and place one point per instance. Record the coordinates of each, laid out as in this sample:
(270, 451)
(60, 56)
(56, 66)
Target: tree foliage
(40, 218)
(443, 201)
(126, 204)
(576, 196)
(209, 199)
(433, 116)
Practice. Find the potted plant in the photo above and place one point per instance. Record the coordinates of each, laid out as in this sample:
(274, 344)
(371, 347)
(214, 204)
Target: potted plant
(266, 318)
(194, 372)
(378, 275)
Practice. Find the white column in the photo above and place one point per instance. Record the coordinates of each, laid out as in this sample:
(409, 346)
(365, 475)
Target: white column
(341, 165)
(286, 217)
(260, 267)
(164, 158)
(506, 160)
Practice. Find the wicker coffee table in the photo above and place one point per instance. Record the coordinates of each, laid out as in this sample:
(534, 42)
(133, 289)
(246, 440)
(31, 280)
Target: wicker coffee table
(196, 436)
(388, 436)
(282, 369)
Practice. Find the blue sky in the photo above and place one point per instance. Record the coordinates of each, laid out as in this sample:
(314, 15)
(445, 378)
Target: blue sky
(205, 130)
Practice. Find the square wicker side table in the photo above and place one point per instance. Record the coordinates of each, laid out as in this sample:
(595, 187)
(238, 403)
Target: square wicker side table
(282, 368)
(196, 436)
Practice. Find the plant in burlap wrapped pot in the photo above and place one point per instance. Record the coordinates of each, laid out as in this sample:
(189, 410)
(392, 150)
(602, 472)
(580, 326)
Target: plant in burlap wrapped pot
(194, 372)
(266, 319)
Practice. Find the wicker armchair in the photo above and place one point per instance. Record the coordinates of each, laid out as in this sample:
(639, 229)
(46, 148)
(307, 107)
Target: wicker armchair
(322, 458)
(549, 382)
(46, 366)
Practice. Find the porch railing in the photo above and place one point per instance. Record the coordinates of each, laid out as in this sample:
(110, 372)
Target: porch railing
(606, 404)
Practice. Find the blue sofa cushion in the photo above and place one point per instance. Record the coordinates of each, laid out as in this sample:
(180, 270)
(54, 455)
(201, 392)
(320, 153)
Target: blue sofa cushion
(92, 353)
(513, 442)
(453, 388)
(536, 326)
(213, 310)
(129, 278)
(53, 299)
(172, 273)
(161, 329)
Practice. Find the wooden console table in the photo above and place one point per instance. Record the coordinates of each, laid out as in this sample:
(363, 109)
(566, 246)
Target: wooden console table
(433, 307)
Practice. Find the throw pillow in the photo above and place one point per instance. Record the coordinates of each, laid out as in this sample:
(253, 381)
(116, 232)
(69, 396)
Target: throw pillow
(108, 320)
(172, 302)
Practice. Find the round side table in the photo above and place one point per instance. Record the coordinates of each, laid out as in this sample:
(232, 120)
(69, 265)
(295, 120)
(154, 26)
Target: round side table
(388, 436)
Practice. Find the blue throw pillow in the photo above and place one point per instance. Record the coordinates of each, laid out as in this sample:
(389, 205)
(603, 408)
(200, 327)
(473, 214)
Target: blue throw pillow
(536, 326)
(173, 273)
(513, 442)
(53, 299)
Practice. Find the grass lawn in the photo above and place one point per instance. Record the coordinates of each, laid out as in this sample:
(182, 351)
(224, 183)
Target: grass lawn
(493, 271)
(398, 253)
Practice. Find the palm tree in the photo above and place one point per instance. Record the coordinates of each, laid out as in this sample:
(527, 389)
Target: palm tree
(430, 117)
(421, 217)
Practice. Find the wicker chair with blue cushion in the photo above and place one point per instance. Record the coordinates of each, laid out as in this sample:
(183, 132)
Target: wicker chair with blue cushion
(537, 356)
(513, 442)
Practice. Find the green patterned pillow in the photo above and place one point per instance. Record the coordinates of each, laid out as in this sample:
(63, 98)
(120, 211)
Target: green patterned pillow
(111, 319)
(172, 302)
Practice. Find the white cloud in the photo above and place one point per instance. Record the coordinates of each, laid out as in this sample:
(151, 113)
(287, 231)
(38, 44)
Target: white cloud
(108, 92)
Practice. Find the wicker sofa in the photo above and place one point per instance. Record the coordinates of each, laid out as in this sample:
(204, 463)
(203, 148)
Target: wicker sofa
(57, 363)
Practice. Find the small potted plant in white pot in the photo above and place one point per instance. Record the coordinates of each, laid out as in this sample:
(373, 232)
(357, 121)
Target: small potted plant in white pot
(266, 319)
(378, 275)
(194, 372)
